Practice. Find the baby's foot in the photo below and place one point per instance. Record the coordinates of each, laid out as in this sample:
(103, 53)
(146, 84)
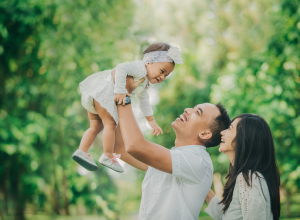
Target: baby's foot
(111, 163)
(84, 160)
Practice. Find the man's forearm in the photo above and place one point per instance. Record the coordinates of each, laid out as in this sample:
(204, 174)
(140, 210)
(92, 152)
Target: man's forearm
(131, 132)
(137, 146)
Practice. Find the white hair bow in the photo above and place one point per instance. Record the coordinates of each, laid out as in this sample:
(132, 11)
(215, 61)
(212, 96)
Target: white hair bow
(172, 55)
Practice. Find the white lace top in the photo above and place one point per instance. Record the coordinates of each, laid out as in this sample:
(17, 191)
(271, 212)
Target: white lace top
(248, 203)
(137, 70)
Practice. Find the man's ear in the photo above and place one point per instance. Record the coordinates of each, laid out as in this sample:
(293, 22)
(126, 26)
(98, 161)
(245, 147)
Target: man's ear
(205, 135)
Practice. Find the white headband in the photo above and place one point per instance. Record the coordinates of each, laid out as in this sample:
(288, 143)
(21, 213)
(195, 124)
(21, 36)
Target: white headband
(172, 55)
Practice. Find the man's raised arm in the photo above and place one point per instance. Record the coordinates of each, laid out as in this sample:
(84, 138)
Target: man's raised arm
(136, 145)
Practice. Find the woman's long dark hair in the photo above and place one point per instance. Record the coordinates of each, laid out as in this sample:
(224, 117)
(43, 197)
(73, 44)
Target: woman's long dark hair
(255, 152)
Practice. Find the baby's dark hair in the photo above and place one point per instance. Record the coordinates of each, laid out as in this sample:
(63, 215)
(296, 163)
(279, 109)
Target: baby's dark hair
(157, 47)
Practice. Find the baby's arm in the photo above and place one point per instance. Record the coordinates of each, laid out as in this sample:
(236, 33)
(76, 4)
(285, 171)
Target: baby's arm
(121, 72)
(156, 129)
(147, 111)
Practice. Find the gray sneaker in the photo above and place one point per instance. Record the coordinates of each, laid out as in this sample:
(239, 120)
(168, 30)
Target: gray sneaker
(84, 160)
(111, 163)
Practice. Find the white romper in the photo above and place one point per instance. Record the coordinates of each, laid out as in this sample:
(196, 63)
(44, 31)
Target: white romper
(101, 87)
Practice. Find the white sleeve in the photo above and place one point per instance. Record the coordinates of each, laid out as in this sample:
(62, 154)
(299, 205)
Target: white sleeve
(189, 166)
(214, 209)
(144, 103)
(122, 71)
(253, 207)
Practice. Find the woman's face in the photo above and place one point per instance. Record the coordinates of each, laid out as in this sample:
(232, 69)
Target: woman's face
(228, 135)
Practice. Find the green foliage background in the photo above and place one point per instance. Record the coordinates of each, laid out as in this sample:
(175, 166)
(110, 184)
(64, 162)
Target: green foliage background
(240, 52)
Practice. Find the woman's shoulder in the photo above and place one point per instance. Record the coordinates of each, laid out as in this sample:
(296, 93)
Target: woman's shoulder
(254, 179)
(255, 176)
(257, 187)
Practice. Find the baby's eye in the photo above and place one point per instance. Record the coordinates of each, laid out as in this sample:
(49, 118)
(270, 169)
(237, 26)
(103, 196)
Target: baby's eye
(162, 71)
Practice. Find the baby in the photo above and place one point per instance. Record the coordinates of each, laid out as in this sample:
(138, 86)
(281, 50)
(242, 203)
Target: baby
(102, 91)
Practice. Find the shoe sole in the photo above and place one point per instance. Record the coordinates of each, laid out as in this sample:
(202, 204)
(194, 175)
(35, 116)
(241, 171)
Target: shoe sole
(111, 168)
(84, 164)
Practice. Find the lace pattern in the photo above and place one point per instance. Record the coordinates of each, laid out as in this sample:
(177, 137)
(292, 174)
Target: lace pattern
(103, 93)
(248, 202)
(245, 193)
(172, 55)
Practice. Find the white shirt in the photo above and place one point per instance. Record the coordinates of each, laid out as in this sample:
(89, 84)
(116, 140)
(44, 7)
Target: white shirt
(180, 195)
(248, 203)
(137, 70)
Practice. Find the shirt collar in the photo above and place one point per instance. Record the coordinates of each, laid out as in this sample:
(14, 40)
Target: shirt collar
(190, 147)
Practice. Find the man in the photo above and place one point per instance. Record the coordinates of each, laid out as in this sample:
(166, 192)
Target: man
(177, 180)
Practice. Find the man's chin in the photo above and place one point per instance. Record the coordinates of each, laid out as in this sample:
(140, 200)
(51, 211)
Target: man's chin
(175, 124)
(172, 124)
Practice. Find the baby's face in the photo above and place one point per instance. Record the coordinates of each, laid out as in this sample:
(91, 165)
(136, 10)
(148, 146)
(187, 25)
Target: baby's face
(157, 72)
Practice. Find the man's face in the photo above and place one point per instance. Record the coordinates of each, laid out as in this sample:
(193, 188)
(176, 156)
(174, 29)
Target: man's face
(195, 121)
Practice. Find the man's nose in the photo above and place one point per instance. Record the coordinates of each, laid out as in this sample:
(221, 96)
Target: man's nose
(188, 110)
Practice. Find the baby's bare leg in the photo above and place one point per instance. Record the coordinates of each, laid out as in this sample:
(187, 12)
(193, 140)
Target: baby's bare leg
(90, 134)
(108, 135)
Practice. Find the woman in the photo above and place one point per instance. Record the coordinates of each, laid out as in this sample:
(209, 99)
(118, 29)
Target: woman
(252, 188)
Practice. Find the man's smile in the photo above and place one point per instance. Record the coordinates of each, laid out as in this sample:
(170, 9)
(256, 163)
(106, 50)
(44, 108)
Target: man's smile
(183, 118)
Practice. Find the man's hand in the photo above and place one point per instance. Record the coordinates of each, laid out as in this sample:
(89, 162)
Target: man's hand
(121, 98)
(156, 129)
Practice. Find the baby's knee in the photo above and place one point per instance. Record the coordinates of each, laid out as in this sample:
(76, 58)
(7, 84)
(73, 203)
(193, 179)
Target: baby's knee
(96, 126)
(111, 126)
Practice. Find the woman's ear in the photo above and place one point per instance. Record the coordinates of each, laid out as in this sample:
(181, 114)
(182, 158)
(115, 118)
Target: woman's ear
(205, 135)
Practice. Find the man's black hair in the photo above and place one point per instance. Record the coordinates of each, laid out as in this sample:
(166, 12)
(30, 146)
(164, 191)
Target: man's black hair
(219, 124)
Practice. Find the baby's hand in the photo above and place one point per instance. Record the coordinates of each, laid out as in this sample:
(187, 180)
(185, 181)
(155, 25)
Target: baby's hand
(121, 98)
(156, 129)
